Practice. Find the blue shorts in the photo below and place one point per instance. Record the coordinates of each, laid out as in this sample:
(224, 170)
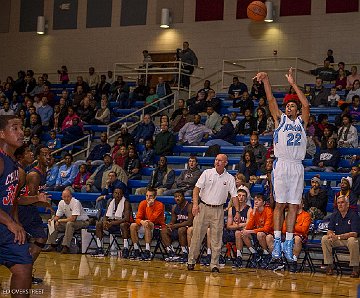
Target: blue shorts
(12, 253)
(32, 222)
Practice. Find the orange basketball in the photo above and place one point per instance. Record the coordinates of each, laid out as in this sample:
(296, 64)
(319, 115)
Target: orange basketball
(256, 11)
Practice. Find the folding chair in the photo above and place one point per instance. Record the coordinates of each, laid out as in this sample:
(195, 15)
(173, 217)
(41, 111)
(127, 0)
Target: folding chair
(159, 246)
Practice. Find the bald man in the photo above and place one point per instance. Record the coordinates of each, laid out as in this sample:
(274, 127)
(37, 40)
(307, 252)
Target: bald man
(209, 196)
(70, 216)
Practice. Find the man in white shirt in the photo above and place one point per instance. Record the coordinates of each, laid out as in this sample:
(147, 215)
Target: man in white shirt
(209, 196)
(70, 216)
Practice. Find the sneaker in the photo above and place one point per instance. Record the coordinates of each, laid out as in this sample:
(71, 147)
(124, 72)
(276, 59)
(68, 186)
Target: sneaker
(190, 267)
(255, 260)
(146, 256)
(222, 261)
(215, 270)
(36, 280)
(276, 264)
(265, 261)
(288, 250)
(205, 261)
(135, 254)
(237, 263)
(276, 253)
(99, 252)
(125, 253)
(293, 267)
(170, 257)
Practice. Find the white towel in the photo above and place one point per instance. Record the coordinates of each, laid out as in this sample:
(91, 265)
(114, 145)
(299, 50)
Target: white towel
(111, 213)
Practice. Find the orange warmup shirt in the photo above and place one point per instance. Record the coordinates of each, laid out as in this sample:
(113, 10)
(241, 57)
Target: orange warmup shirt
(261, 221)
(302, 224)
(155, 213)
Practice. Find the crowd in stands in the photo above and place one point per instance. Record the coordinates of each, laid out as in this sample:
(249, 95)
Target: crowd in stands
(55, 121)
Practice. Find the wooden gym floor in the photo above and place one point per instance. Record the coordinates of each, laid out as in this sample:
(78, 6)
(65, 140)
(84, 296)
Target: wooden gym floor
(86, 276)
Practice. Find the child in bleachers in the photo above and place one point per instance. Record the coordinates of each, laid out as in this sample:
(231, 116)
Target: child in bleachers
(234, 121)
(54, 143)
(333, 98)
(81, 178)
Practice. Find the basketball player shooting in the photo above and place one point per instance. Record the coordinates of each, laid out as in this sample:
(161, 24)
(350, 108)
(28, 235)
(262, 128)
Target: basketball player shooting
(288, 171)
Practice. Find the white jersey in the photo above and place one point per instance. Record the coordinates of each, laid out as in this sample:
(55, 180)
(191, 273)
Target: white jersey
(290, 139)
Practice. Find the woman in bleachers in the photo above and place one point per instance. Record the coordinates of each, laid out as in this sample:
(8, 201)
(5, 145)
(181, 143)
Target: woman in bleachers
(248, 165)
(63, 75)
(85, 111)
(68, 119)
(329, 133)
(225, 136)
(117, 144)
(132, 165)
(261, 120)
(263, 104)
(355, 90)
(347, 133)
(128, 139)
(341, 80)
(102, 116)
(345, 110)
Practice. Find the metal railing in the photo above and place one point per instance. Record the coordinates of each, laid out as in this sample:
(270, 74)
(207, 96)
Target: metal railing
(246, 69)
(141, 111)
(86, 149)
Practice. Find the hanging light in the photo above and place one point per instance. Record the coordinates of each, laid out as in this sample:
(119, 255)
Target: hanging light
(270, 12)
(165, 18)
(40, 28)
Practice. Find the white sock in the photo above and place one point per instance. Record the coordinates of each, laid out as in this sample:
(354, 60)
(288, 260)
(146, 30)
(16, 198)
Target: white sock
(147, 246)
(209, 251)
(238, 253)
(289, 236)
(169, 248)
(295, 258)
(277, 234)
(136, 246)
(98, 242)
(265, 252)
(252, 250)
(126, 243)
(183, 249)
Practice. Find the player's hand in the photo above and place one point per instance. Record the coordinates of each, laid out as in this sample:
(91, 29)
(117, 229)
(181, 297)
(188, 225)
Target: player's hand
(18, 231)
(44, 197)
(237, 217)
(195, 210)
(290, 77)
(88, 188)
(261, 76)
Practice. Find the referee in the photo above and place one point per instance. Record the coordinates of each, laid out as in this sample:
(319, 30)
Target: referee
(209, 196)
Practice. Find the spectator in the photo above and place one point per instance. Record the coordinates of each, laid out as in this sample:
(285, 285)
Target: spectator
(270, 126)
(132, 165)
(257, 90)
(152, 97)
(68, 119)
(327, 135)
(150, 213)
(120, 156)
(45, 112)
(63, 75)
(162, 178)
(207, 87)
(213, 101)
(213, 120)
(98, 179)
(179, 110)
(85, 111)
(72, 133)
(345, 110)
(244, 102)
(52, 173)
(46, 79)
(102, 116)
(164, 141)
(163, 89)
(80, 82)
(347, 134)
(126, 136)
(258, 149)
(144, 130)
(248, 165)
(120, 91)
(341, 80)
(326, 73)
(148, 154)
(187, 179)
(197, 104)
(102, 88)
(355, 108)
(233, 118)
(70, 216)
(343, 230)
(193, 132)
(181, 120)
(319, 94)
(261, 120)
(188, 61)
(112, 182)
(110, 77)
(355, 188)
(81, 178)
(34, 143)
(35, 125)
(54, 142)
(96, 155)
(315, 200)
(333, 98)
(140, 92)
(329, 56)
(48, 94)
(78, 96)
(345, 190)
(117, 144)
(117, 219)
(237, 86)
(225, 136)
(352, 78)
(67, 173)
(39, 88)
(147, 57)
(247, 125)
(355, 90)
(327, 160)
(6, 109)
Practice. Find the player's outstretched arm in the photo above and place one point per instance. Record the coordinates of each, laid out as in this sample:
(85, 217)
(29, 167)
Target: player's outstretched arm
(305, 115)
(273, 106)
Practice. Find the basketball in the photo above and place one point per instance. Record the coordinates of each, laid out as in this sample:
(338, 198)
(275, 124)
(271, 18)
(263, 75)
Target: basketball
(256, 11)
